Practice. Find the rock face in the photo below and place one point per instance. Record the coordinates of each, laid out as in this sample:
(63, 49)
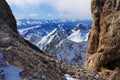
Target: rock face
(104, 38)
(6, 15)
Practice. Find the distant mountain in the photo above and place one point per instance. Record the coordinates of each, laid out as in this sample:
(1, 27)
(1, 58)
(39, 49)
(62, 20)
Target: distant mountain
(53, 38)
(26, 23)
(79, 33)
(32, 28)
(72, 48)
(64, 39)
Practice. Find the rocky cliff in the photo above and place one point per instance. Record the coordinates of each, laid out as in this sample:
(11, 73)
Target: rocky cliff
(33, 62)
(104, 39)
(6, 15)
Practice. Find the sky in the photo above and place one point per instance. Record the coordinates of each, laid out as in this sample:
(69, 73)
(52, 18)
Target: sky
(51, 9)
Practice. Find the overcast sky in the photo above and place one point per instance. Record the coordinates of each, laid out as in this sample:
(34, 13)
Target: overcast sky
(51, 9)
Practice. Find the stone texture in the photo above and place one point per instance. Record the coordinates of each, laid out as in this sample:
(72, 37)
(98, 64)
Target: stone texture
(104, 37)
(6, 15)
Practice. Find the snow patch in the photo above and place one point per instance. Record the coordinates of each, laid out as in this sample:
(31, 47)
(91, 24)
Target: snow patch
(78, 36)
(1, 56)
(22, 31)
(9, 72)
(68, 77)
(12, 72)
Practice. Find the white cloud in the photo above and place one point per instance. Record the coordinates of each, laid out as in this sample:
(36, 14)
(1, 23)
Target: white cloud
(75, 8)
(24, 3)
(62, 15)
(33, 15)
(71, 8)
(49, 14)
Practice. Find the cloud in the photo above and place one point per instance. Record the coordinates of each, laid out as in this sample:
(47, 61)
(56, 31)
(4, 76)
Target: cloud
(33, 15)
(74, 8)
(49, 14)
(71, 8)
(24, 3)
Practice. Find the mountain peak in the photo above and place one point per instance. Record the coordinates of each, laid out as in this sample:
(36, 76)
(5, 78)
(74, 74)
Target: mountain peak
(80, 26)
(54, 36)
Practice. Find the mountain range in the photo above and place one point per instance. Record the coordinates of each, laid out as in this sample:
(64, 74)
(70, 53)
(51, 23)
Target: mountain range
(63, 39)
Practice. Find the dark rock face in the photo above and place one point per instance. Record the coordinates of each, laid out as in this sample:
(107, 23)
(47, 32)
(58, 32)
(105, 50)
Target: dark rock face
(104, 37)
(6, 15)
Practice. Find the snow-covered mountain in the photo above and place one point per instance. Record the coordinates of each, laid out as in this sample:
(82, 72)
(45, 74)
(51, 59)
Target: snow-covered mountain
(78, 36)
(71, 52)
(53, 38)
(65, 40)
(33, 30)
(71, 49)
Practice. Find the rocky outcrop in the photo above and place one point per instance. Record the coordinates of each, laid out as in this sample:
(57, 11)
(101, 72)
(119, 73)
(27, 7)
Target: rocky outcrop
(104, 39)
(6, 15)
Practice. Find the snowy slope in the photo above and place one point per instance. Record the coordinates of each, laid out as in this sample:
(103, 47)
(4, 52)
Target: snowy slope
(62, 47)
(53, 38)
(72, 52)
(68, 77)
(78, 36)
(15, 72)
(80, 33)
(10, 72)
(7, 71)
(46, 40)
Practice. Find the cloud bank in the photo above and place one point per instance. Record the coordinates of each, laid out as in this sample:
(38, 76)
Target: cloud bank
(74, 8)
(69, 8)
(24, 3)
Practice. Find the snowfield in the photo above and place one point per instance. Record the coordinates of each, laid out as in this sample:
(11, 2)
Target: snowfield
(7, 71)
